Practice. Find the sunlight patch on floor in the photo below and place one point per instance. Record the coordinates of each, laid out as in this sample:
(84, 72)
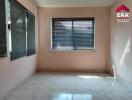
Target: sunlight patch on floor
(89, 77)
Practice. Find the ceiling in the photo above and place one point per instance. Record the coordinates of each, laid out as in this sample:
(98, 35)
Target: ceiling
(74, 3)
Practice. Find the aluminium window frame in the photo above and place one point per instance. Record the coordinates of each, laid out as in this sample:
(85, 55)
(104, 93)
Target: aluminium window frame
(8, 30)
(93, 49)
(5, 20)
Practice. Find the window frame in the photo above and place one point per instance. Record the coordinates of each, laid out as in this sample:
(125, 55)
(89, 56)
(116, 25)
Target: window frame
(28, 52)
(93, 49)
(4, 29)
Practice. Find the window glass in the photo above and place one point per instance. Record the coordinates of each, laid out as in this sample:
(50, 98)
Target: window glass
(72, 33)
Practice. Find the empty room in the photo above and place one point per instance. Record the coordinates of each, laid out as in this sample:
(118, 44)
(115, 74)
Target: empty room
(65, 50)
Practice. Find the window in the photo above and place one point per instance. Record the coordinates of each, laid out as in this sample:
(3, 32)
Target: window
(30, 34)
(72, 33)
(3, 46)
(22, 31)
(18, 31)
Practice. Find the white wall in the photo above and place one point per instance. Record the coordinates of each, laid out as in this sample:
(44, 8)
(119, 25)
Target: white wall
(121, 43)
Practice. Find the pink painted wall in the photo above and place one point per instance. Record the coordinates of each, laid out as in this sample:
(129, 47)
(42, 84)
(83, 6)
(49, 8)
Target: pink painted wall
(13, 72)
(74, 60)
(121, 43)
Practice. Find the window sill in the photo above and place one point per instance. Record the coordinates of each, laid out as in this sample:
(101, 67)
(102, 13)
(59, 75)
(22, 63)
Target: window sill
(4, 57)
(81, 50)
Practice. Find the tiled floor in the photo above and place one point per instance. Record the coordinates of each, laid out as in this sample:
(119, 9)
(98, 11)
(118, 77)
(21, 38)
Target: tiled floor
(71, 87)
